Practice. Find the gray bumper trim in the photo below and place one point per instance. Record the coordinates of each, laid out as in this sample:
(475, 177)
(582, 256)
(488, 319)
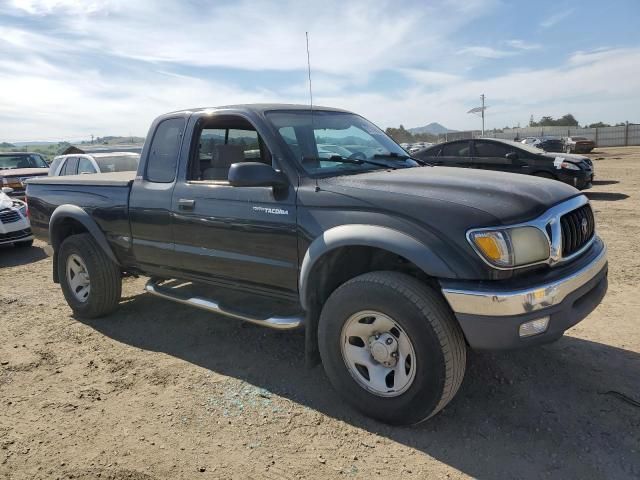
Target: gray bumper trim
(516, 302)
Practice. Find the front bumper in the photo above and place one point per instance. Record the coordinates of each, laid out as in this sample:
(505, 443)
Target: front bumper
(490, 317)
(23, 235)
(580, 179)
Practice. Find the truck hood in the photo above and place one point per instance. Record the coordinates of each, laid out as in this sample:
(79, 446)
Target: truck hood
(23, 172)
(508, 198)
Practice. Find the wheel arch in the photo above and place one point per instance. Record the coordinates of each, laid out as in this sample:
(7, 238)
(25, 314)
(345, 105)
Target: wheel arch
(68, 220)
(373, 239)
(344, 252)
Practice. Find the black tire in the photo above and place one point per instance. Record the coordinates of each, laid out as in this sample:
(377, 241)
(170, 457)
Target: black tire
(548, 175)
(104, 274)
(430, 325)
(25, 244)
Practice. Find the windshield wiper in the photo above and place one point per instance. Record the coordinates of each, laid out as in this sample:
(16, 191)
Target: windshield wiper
(395, 156)
(352, 161)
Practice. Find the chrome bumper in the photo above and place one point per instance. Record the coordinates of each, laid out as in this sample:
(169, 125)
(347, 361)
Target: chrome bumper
(517, 302)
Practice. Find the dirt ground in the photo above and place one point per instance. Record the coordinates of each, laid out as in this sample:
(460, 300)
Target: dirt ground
(163, 391)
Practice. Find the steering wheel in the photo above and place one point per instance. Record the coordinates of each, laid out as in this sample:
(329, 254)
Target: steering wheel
(357, 156)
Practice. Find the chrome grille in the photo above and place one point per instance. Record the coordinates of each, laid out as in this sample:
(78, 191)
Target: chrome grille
(578, 227)
(9, 216)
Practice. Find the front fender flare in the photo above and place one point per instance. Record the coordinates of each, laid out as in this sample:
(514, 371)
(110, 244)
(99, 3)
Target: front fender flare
(78, 214)
(384, 238)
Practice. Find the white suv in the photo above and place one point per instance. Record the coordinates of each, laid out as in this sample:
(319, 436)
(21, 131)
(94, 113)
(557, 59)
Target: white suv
(76, 164)
(14, 223)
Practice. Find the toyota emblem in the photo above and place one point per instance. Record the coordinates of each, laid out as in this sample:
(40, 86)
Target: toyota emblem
(584, 225)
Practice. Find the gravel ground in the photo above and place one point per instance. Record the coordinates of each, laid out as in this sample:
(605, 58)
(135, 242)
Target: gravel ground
(162, 391)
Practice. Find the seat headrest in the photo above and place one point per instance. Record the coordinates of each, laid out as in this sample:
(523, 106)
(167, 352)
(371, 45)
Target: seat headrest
(226, 155)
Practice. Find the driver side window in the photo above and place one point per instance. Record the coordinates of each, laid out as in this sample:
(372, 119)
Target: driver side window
(455, 149)
(219, 146)
(490, 149)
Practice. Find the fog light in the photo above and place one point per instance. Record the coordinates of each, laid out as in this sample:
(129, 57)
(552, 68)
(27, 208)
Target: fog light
(534, 327)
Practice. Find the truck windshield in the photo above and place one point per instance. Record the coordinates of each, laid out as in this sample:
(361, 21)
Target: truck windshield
(22, 161)
(321, 142)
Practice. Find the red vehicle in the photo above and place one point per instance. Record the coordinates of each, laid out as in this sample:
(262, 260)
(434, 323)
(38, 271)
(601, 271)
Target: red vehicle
(17, 167)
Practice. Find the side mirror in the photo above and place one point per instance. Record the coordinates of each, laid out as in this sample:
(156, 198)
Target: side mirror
(255, 174)
(512, 156)
(7, 190)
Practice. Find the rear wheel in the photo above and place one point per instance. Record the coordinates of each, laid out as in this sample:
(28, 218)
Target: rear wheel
(392, 347)
(91, 282)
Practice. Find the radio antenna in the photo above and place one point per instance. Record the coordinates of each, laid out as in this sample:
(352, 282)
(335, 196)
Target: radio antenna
(309, 75)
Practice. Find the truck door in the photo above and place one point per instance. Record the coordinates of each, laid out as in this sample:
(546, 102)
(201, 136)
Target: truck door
(151, 195)
(233, 235)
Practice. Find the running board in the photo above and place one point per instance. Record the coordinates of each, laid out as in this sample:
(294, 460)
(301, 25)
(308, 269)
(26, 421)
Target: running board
(278, 323)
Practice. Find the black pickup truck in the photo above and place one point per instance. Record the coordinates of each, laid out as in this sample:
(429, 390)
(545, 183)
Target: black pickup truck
(316, 219)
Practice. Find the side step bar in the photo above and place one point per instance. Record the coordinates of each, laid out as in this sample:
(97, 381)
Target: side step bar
(278, 323)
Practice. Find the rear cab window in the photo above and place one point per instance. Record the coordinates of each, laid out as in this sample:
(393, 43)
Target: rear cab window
(164, 151)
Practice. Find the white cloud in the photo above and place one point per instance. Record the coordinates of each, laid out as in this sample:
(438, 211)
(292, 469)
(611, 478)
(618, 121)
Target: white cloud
(352, 38)
(556, 18)
(586, 90)
(429, 78)
(109, 67)
(73, 7)
(484, 52)
(522, 45)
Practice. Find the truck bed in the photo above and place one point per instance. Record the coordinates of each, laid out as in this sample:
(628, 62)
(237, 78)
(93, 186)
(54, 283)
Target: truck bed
(103, 196)
(114, 179)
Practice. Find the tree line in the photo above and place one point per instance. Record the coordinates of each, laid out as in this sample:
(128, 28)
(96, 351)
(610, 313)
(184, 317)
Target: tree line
(402, 135)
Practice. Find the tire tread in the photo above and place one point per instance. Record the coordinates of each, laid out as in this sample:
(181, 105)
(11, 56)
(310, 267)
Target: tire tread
(439, 315)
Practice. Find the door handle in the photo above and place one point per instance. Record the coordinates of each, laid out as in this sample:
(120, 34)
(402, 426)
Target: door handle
(186, 204)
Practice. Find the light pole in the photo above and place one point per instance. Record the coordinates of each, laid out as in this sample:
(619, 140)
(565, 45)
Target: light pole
(480, 111)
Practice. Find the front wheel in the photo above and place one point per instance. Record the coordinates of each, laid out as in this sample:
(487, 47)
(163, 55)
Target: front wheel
(392, 347)
(91, 282)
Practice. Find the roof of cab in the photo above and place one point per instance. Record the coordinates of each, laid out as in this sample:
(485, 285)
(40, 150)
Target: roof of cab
(261, 108)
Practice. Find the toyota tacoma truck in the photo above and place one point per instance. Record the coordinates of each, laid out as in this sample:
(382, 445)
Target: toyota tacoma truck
(394, 268)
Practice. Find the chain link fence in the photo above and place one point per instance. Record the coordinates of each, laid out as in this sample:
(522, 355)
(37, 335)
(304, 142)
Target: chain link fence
(620, 136)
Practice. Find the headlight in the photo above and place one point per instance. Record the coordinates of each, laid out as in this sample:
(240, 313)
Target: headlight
(511, 247)
(569, 166)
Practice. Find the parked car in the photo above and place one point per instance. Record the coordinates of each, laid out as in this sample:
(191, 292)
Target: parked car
(17, 167)
(548, 144)
(513, 157)
(578, 145)
(76, 164)
(14, 221)
(393, 268)
(416, 147)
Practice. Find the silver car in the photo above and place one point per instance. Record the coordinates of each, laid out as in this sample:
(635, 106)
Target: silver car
(84, 163)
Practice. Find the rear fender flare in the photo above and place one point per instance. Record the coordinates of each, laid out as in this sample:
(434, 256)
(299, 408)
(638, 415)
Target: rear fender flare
(76, 213)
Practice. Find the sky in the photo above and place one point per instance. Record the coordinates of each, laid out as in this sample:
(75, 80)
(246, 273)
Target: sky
(71, 69)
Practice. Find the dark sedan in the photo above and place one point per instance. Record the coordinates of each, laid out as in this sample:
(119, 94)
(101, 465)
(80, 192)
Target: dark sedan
(508, 156)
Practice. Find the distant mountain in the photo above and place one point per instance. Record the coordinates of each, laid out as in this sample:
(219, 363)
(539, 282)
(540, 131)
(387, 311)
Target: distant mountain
(434, 128)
